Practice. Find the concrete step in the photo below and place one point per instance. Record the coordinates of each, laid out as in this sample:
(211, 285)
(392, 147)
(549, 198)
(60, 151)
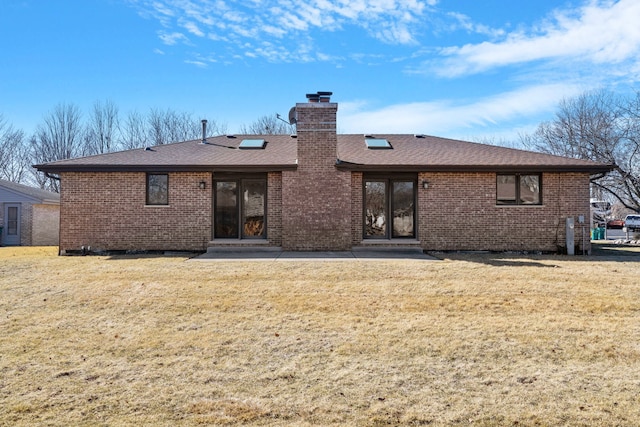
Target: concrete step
(237, 247)
(389, 245)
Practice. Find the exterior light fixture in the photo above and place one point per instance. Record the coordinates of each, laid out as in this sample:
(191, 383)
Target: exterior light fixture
(202, 185)
(425, 184)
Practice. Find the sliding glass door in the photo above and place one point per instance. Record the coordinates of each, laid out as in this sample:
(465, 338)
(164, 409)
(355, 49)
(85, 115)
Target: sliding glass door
(389, 208)
(240, 208)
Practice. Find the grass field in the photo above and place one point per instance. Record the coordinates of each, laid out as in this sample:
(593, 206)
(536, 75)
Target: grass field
(469, 340)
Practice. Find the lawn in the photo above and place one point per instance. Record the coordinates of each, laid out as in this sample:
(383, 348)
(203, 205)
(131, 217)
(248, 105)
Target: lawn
(473, 339)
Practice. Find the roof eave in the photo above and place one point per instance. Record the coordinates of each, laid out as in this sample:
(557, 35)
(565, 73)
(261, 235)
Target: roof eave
(163, 168)
(592, 169)
(50, 202)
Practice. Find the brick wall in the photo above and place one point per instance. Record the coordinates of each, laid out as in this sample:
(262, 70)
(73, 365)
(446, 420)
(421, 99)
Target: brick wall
(107, 212)
(274, 208)
(316, 197)
(458, 212)
(357, 208)
(26, 223)
(45, 225)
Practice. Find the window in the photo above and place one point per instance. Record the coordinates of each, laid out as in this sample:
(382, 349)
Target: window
(12, 221)
(518, 189)
(240, 208)
(255, 144)
(377, 144)
(389, 208)
(157, 189)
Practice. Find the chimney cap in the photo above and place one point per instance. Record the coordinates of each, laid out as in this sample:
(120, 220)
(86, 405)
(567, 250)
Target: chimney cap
(319, 96)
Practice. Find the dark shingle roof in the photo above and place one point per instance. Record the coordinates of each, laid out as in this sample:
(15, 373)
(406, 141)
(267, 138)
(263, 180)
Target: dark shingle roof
(430, 153)
(220, 153)
(409, 153)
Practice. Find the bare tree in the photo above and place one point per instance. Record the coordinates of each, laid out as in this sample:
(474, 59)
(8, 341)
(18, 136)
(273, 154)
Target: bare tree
(268, 125)
(58, 137)
(158, 127)
(166, 126)
(133, 132)
(101, 133)
(214, 128)
(626, 180)
(14, 154)
(598, 126)
(62, 135)
(494, 140)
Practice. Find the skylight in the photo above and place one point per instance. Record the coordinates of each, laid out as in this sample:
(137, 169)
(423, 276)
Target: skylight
(256, 144)
(377, 144)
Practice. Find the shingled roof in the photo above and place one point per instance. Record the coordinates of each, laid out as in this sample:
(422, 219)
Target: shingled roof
(42, 196)
(407, 153)
(430, 153)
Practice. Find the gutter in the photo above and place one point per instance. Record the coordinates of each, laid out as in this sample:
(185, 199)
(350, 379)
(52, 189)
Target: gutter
(47, 169)
(596, 168)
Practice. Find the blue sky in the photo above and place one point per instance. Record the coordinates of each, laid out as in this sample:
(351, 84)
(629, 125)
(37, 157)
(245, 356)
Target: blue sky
(456, 68)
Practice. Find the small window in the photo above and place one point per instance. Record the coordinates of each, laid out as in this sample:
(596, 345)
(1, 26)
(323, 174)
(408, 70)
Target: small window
(157, 189)
(377, 144)
(518, 189)
(12, 221)
(255, 144)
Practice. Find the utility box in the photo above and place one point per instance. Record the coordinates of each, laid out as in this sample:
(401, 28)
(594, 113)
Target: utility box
(571, 245)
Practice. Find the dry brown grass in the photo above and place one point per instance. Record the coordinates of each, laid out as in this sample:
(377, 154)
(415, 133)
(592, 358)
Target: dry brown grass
(473, 339)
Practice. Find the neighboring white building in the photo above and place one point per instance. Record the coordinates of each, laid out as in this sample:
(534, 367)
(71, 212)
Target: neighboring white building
(28, 216)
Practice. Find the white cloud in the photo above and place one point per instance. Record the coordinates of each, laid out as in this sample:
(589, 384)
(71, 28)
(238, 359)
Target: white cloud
(192, 27)
(172, 38)
(390, 21)
(445, 116)
(601, 32)
(198, 64)
(466, 23)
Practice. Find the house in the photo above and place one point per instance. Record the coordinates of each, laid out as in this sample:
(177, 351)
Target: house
(318, 190)
(28, 216)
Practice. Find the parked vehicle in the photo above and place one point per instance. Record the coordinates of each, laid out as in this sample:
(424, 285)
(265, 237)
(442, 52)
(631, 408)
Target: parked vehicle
(615, 223)
(632, 222)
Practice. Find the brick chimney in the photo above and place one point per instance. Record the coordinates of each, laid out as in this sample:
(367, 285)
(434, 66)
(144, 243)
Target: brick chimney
(316, 129)
(316, 198)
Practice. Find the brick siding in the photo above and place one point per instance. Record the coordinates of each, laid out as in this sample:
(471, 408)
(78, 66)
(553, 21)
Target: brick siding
(274, 208)
(26, 223)
(38, 224)
(107, 211)
(316, 198)
(45, 225)
(357, 208)
(458, 212)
